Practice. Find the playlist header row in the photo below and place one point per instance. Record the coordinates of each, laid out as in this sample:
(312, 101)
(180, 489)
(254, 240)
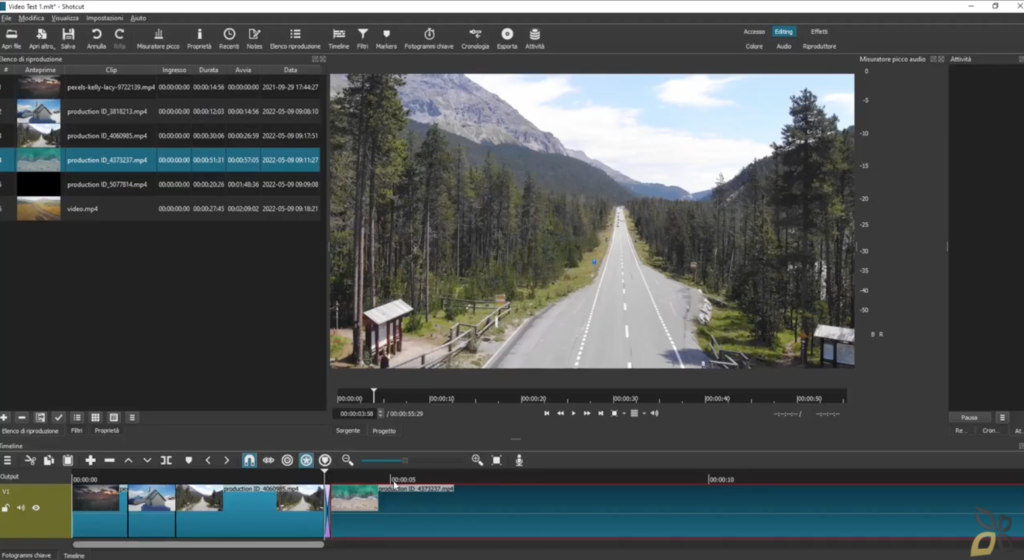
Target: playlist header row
(162, 69)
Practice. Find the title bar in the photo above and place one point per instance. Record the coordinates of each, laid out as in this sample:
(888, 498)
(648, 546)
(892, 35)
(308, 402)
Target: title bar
(517, 7)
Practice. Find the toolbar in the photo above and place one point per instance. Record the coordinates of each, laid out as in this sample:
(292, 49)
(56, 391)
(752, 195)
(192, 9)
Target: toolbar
(251, 460)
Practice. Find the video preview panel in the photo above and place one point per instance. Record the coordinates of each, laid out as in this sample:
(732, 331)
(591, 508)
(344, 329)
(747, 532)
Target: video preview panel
(592, 221)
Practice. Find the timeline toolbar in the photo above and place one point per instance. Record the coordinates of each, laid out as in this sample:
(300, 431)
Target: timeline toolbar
(247, 460)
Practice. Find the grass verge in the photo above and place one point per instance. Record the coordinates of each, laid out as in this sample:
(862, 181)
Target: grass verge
(730, 326)
(732, 330)
(341, 347)
(526, 302)
(572, 279)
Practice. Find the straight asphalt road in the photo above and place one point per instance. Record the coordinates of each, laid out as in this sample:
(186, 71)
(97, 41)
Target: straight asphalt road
(630, 316)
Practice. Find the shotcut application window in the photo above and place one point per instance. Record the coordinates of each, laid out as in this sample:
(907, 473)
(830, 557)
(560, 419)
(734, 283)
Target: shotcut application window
(509, 278)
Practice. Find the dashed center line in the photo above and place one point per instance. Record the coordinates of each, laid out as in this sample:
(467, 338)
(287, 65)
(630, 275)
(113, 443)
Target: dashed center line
(623, 306)
(627, 331)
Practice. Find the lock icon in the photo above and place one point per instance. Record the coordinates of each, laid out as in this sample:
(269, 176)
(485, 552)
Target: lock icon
(5, 508)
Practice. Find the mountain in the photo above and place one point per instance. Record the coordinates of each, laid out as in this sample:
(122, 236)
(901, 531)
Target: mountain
(658, 190)
(620, 178)
(552, 172)
(653, 190)
(460, 106)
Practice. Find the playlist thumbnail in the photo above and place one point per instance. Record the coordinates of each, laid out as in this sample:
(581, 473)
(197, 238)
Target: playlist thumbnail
(151, 498)
(38, 159)
(199, 497)
(38, 208)
(688, 213)
(38, 111)
(354, 498)
(43, 86)
(31, 135)
(96, 497)
(305, 497)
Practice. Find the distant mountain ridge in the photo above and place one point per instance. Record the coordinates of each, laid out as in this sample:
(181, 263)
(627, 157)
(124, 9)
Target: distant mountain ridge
(462, 107)
(638, 188)
(552, 172)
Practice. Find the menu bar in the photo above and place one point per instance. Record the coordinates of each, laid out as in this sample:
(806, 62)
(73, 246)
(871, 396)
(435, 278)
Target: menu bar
(518, 6)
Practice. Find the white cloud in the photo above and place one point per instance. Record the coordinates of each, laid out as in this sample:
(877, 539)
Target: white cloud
(524, 91)
(838, 102)
(206, 489)
(695, 91)
(615, 135)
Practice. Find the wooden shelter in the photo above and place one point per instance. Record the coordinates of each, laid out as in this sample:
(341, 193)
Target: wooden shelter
(836, 345)
(383, 326)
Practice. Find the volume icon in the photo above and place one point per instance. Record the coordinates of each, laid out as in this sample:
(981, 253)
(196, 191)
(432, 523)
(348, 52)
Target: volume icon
(535, 34)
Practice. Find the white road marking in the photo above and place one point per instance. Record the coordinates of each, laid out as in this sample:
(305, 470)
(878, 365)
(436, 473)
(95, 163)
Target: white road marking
(640, 269)
(627, 331)
(590, 318)
(623, 306)
(629, 365)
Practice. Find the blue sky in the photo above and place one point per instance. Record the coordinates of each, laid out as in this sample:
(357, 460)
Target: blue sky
(207, 489)
(680, 130)
(165, 490)
(29, 104)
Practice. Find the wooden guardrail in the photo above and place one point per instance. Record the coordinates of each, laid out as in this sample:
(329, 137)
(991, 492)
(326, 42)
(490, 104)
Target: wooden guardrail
(471, 304)
(458, 339)
(725, 359)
